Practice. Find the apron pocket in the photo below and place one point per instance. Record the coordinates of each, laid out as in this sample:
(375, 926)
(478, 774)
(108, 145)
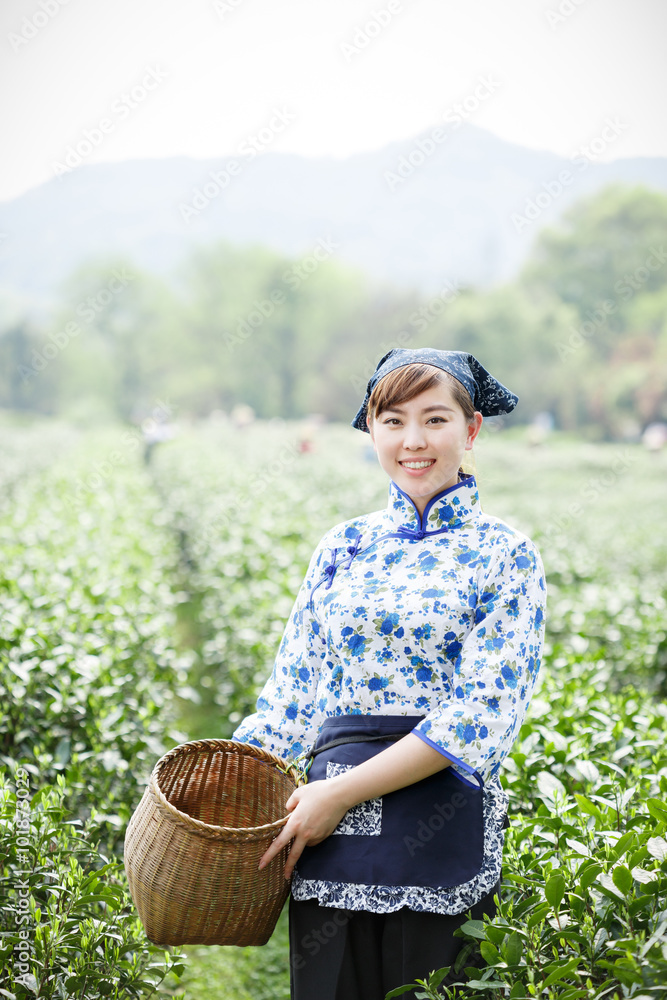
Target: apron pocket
(364, 819)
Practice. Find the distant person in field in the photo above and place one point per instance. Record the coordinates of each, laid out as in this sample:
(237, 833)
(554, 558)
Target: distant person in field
(403, 676)
(154, 432)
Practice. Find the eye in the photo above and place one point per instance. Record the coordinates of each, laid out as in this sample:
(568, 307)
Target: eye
(440, 420)
(391, 420)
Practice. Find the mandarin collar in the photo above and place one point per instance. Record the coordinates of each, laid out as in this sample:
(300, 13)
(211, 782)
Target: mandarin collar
(451, 508)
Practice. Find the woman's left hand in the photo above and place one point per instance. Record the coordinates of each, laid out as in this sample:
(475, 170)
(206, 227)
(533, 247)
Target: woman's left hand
(316, 810)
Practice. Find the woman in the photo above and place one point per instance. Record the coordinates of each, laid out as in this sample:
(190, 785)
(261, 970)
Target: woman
(407, 663)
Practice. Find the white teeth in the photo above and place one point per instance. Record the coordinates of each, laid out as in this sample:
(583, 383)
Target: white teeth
(417, 465)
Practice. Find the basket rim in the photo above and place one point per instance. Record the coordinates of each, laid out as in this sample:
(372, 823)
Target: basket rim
(213, 745)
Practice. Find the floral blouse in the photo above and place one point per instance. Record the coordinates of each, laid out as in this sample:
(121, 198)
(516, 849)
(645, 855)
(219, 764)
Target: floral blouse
(440, 615)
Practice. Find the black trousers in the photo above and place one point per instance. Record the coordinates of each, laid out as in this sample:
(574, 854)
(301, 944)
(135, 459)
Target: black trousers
(338, 954)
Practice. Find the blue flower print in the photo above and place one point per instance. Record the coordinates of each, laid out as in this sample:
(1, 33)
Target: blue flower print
(387, 625)
(424, 674)
(509, 676)
(357, 644)
(466, 733)
(379, 683)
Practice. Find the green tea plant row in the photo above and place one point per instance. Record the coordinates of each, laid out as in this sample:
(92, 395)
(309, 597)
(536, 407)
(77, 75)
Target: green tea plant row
(583, 909)
(25, 451)
(88, 671)
(248, 507)
(596, 512)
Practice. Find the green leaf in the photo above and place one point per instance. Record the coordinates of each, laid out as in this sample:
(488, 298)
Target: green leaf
(495, 934)
(474, 928)
(538, 914)
(607, 882)
(549, 785)
(587, 806)
(588, 875)
(621, 846)
(554, 890)
(587, 770)
(400, 991)
(437, 977)
(622, 879)
(563, 969)
(513, 949)
(489, 952)
(657, 847)
(486, 984)
(657, 809)
(644, 877)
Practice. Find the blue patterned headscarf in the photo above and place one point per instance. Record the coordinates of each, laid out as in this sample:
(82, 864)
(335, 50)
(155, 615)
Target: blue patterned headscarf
(488, 395)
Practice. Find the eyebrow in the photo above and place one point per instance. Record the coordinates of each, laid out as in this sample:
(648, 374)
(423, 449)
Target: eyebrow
(427, 409)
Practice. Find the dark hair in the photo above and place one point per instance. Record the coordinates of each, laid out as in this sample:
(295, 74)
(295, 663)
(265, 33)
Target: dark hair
(403, 384)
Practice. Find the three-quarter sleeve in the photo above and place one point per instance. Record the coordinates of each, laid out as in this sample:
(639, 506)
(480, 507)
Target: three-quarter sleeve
(496, 668)
(286, 721)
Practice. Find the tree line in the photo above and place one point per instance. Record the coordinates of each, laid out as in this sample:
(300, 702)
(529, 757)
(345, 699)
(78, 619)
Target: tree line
(581, 332)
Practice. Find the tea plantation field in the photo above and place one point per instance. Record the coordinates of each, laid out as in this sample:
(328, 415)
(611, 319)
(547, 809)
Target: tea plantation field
(142, 605)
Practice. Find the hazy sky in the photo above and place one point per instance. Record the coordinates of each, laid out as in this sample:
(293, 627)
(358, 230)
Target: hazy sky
(322, 77)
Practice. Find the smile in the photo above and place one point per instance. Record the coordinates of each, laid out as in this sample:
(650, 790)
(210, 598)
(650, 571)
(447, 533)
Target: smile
(418, 465)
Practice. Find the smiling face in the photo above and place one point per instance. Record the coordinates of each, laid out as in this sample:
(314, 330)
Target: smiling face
(420, 442)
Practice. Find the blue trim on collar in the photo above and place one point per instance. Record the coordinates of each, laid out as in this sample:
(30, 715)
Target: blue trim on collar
(422, 521)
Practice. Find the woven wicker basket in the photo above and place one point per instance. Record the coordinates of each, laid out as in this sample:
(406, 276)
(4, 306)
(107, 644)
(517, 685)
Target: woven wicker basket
(192, 847)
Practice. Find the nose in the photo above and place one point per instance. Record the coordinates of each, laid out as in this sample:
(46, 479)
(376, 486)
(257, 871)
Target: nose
(414, 437)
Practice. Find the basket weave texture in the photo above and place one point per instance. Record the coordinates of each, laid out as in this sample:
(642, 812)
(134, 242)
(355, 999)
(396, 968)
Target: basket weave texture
(192, 847)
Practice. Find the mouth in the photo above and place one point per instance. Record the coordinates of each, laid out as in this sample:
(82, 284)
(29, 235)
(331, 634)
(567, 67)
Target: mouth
(418, 466)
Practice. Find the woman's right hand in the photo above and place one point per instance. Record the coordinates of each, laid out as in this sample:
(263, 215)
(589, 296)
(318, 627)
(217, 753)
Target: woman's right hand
(315, 811)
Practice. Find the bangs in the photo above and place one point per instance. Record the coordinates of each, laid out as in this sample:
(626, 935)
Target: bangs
(402, 385)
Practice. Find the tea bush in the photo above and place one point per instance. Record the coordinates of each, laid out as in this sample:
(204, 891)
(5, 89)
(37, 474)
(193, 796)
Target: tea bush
(87, 680)
(68, 924)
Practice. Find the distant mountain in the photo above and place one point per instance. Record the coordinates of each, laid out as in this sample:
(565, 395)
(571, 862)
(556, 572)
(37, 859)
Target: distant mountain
(416, 213)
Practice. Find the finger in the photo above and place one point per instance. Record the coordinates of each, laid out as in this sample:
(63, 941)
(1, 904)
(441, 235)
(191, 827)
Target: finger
(275, 848)
(293, 799)
(293, 856)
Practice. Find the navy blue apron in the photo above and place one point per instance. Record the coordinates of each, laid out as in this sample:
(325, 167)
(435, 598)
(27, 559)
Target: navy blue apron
(430, 833)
